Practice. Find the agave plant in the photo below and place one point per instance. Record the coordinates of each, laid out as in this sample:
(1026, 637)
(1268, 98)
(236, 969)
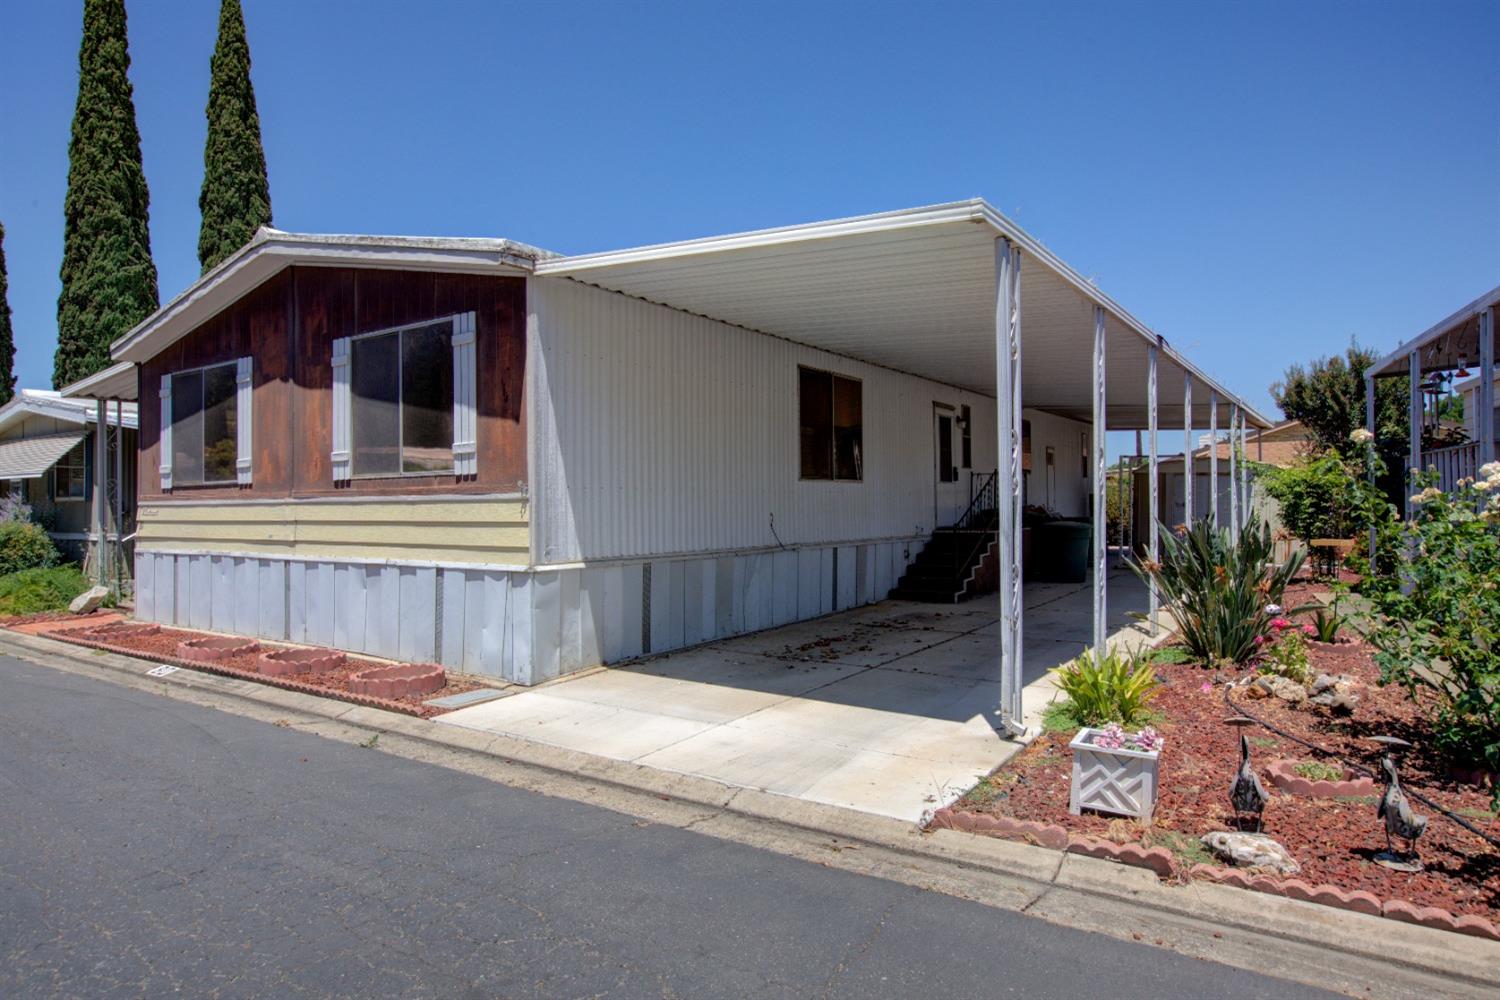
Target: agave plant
(1218, 586)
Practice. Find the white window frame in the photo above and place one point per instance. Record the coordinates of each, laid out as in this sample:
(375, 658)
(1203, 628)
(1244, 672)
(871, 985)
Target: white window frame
(240, 367)
(83, 474)
(462, 339)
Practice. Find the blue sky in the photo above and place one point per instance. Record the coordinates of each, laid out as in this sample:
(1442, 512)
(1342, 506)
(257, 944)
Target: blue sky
(1258, 182)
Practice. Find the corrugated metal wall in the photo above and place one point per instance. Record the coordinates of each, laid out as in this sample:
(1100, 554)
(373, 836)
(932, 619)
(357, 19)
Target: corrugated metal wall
(658, 433)
(517, 625)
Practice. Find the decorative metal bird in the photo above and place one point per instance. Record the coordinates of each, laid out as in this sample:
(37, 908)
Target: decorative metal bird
(1246, 794)
(1400, 822)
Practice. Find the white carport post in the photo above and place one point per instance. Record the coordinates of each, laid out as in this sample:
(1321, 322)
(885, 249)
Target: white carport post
(1154, 503)
(1189, 468)
(1415, 419)
(1101, 551)
(101, 473)
(1486, 395)
(1213, 459)
(1234, 481)
(1008, 496)
(1244, 468)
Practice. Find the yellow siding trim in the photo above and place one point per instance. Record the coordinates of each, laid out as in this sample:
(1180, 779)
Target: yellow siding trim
(496, 531)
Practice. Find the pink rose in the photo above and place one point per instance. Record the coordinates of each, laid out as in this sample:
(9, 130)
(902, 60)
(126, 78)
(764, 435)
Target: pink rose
(1309, 630)
(1260, 640)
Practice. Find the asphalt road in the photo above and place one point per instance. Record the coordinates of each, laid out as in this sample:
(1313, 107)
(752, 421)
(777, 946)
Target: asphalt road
(150, 847)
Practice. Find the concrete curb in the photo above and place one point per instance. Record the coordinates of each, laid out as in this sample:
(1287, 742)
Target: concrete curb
(1161, 861)
(1269, 933)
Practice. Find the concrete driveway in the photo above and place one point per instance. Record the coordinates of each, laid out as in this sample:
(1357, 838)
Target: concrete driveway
(887, 708)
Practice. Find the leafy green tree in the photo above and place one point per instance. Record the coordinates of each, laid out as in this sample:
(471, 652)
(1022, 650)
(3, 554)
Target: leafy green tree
(1328, 396)
(108, 277)
(7, 337)
(236, 197)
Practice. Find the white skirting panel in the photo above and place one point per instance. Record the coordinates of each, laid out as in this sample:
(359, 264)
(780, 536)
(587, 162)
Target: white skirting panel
(524, 626)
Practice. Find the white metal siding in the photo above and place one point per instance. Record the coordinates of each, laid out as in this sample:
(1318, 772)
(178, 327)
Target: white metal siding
(1067, 491)
(660, 433)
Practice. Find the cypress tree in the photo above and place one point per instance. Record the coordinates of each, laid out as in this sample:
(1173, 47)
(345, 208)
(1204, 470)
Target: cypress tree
(7, 338)
(108, 277)
(236, 198)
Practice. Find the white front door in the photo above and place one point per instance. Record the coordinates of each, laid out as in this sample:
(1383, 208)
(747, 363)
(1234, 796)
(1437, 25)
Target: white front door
(950, 496)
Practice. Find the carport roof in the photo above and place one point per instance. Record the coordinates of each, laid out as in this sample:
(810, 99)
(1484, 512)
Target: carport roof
(1443, 346)
(914, 290)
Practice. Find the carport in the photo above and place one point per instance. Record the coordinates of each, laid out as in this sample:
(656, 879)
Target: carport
(961, 295)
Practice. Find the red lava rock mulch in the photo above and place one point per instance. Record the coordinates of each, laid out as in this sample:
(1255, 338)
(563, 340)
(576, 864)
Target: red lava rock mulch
(1334, 839)
(335, 682)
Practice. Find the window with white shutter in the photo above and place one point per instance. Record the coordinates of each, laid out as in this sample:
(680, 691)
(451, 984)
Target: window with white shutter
(465, 398)
(342, 465)
(243, 384)
(405, 400)
(205, 426)
(165, 444)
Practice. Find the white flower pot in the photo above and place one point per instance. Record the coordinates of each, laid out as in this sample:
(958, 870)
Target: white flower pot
(1113, 781)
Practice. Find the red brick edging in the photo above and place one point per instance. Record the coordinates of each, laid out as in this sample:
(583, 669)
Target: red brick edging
(1161, 861)
(398, 680)
(1283, 774)
(286, 662)
(369, 701)
(213, 648)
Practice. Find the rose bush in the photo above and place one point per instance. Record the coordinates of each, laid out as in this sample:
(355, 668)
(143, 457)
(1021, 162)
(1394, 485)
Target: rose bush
(1439, 634)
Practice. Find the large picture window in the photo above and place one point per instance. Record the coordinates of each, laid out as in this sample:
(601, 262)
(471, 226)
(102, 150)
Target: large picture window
(831, 426)
(204, 426)
(401, 388)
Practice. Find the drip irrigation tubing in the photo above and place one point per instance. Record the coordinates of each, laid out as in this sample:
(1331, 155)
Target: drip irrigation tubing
(1358, 769)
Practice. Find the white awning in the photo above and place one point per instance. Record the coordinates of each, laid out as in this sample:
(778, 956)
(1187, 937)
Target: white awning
(30, 458)
(915, 290)
(118, 381)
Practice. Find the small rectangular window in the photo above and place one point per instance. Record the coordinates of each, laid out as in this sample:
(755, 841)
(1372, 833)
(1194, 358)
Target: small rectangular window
(69, 474)
(946, 472)
(966, 426)
(830, 426)
(401, 383)
(204, 412)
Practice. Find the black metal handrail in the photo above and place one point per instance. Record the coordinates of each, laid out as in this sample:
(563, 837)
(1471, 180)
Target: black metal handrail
(982, 498)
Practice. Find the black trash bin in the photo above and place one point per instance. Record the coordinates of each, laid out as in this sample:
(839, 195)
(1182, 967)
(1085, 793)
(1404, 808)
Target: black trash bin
(1062, 551)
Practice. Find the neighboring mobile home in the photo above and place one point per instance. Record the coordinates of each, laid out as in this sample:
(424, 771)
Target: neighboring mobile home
(1281, 446)
(48, 458)
(522, 465)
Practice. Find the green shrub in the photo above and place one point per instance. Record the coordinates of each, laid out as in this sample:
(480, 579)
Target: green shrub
(24, 545)
(1317, 770)
(34, 590)
(1218, 585)
(1115, 689)
(1441, 636)
(1323, 497)
(1286, 656)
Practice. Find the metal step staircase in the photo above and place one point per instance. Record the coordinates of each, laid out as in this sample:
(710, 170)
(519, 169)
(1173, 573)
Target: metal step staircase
(958, 561)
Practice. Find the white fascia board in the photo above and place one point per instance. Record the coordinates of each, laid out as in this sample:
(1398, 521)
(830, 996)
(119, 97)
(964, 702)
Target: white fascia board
(270, 252)
(1395, 364)
(975, 210)
(959, 211)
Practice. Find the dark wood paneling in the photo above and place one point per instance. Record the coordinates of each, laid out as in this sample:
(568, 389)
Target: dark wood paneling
(289, 324)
